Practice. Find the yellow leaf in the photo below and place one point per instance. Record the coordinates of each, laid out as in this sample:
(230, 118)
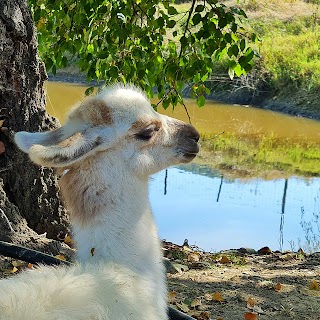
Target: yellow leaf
(314, 285)
(216, 296)
(250, 316)
(69, 241)
(182, 307)
(250, 303)
(172, 295)
(224, 259)
(60, 256)
(17, 264)
(14, 270)
(278, 287)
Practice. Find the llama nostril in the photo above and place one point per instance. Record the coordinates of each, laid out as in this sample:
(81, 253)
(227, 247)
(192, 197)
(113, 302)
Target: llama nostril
(191, 133)
(195, 136)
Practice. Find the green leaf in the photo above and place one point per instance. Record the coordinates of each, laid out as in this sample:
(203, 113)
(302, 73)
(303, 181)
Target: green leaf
(90, 48)
(171, 23)
(183, 41)
(201, 100)
(48, 63)
(166, 103)
(64, 61)
(89, 91)
(196, 18)
(196, 78)
(238, 70)
(180, 85)
(199, 8)
(172, 10)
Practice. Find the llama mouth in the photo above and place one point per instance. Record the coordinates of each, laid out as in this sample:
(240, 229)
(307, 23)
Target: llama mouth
(189, 155)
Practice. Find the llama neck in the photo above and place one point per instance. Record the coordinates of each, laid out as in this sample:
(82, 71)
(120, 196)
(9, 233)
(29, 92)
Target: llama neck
(111, 218)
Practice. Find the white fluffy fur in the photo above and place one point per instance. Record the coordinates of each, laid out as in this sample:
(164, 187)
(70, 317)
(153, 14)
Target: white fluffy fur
(120, 274)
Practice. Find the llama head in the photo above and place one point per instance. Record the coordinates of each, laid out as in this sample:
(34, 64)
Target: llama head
(116, 126)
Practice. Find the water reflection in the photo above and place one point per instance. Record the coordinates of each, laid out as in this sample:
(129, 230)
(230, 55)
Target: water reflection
(215, 212)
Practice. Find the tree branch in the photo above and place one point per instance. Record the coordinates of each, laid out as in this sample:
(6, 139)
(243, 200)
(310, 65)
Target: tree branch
(29, 255)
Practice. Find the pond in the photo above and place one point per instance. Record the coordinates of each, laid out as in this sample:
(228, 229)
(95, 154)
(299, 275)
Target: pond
(254, 184)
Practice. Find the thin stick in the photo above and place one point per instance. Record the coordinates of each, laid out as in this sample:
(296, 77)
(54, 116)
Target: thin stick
(3, 215)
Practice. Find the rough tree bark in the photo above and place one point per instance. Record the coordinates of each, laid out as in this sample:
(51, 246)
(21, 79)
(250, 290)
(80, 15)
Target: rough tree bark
(29, 201)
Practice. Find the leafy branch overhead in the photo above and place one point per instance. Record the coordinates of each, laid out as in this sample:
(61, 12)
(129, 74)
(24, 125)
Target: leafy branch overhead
(155, 44)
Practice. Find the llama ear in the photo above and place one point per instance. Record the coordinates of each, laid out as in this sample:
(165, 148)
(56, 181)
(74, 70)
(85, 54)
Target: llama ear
(50, 150)
(25, 140)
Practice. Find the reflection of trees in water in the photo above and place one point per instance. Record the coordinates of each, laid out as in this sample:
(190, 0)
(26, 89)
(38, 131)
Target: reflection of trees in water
(311, 229)
(283, 206)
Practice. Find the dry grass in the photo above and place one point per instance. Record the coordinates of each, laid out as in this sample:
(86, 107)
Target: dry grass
(275, 9)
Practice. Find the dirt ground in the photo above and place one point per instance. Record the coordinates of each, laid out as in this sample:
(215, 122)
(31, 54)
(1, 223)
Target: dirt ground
(234, 284)
(240, 284)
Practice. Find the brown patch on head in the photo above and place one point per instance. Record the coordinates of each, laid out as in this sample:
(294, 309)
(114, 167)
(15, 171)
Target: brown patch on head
(143, 123)
(93, 110)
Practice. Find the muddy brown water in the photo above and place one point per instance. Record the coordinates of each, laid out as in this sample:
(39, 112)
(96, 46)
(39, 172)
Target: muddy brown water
(216, 213)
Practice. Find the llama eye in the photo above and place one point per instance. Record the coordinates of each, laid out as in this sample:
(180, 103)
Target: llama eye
(147, 133)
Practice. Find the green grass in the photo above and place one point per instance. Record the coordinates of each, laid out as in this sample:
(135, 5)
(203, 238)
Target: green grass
(290, 52)
(261, 155)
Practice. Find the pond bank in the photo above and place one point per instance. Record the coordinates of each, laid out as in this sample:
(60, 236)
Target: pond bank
(288, 101)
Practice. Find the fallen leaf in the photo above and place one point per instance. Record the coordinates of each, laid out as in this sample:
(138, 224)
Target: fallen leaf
(172, 295)
(250, 316)
(250, 303)
(2, 147)
(201, 316)
(17, 264)
(195, 303)
(224, 259)
(60, 256)
(194, 257)
(182, 307)
(14, 270)
(314, 285)
(216, 296)
(68, 240)
(30, 266)
(208, 296)
(278, 287)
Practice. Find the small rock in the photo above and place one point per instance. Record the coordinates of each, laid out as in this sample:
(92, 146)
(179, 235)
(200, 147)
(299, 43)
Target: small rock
(247, 250)
(264, 251)
(200, 265)
(169, 266)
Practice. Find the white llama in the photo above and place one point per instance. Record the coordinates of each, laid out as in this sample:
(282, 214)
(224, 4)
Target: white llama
(105, 153)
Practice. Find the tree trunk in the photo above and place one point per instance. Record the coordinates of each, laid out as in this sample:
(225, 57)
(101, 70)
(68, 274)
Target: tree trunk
(29, 199)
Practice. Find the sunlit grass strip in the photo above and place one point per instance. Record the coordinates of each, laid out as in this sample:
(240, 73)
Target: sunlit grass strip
(256, 155)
